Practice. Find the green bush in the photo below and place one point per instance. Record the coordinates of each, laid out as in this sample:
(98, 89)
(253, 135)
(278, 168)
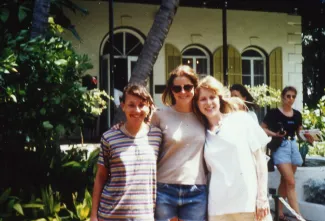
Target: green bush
(314, 118)
(41, 100)
(264, 95)
(318, 149)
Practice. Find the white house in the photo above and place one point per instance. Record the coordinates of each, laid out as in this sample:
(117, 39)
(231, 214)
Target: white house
(263, 47)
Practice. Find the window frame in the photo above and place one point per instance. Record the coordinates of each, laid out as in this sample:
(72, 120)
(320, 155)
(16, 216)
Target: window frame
(195, 57)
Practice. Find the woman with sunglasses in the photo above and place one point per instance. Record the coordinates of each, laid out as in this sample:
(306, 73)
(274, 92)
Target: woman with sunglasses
(181, 174)
(286, 122)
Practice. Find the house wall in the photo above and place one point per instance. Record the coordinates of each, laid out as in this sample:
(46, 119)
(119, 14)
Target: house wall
(245, 28)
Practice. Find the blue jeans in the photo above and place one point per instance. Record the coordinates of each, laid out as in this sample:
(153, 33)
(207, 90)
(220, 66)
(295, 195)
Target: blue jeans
(187, 202)
(288, 152)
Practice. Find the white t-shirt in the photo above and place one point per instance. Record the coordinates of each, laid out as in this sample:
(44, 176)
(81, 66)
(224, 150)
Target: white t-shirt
(253, 115)
(229, 158)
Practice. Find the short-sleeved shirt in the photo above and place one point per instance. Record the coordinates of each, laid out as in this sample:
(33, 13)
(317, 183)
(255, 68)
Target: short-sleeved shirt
(290, 124)
(181, 159)
(230, 160)
(130, 193)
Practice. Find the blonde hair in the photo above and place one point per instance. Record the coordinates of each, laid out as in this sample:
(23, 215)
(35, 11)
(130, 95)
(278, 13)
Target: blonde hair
(180, 71)
(227, 104)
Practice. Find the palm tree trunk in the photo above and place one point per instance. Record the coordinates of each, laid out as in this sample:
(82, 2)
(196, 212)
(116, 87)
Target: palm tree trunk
(154, 41)
(40, 17)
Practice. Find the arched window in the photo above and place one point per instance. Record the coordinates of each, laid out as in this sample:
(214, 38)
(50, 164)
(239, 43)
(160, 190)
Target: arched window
(254, 72)
(253, 67)
(198, 58)
(128, 44)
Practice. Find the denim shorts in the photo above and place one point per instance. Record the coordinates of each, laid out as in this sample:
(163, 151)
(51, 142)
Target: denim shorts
(187, 202)
(288, 152)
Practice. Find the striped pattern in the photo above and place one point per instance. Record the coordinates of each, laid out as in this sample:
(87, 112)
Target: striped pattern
(130, 194)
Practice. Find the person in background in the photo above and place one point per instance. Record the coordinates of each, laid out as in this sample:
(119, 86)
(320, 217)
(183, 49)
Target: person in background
(286, 122)
(233, 155)
(240, 91)
(125, 183)
(181, 175)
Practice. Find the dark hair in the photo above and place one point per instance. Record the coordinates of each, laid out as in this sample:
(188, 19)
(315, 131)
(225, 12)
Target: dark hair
(250, 101)
(288, 88)
(180, 71)
(141, 92)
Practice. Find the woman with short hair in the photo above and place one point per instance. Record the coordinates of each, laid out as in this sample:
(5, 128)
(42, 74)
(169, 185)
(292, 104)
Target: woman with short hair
(125, 183)
(285, 122)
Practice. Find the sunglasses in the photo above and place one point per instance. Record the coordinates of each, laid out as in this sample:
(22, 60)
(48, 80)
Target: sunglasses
(290, 96)
(186, 87)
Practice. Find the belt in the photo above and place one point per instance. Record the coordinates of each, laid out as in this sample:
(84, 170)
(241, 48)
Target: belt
(288, 138)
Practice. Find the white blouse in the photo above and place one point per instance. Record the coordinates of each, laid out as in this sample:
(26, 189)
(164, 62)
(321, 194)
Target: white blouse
(229, 158)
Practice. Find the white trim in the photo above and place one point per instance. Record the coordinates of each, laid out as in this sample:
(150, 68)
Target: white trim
(130, 59)
(255, 49)
(123, 30)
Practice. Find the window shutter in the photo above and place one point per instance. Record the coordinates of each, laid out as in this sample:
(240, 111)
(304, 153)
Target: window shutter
(234, 66)
(172, 58)
(218, 64)
(276, 69)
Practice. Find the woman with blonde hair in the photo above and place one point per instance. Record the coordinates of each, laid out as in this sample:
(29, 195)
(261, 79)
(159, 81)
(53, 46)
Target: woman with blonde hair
(181, 174)
(233, 155)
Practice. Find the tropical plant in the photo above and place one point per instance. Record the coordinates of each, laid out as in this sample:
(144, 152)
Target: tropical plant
(41, 100)
(264, 95)
(10, 205)
(18, 15)
(83, 208)
(314, 118)
(318, 149)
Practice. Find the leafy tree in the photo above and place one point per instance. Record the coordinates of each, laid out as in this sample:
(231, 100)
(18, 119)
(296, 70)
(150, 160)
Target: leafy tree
(313, 43)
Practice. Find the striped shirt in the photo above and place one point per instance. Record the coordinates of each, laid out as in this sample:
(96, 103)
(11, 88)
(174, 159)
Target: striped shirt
(130, 193)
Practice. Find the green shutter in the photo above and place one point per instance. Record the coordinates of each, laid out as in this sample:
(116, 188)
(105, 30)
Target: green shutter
(276, 69)
(218, 64)
(234, 66)
(172, 58)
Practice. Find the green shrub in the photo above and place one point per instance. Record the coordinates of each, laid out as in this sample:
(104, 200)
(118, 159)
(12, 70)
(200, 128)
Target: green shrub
(264, 95)
(41, 100)
(314, 118)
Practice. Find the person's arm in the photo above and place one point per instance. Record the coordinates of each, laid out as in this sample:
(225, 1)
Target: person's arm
(298, 119)
(262, 202)
(100, 180)
(271, 133)
(309, 138)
